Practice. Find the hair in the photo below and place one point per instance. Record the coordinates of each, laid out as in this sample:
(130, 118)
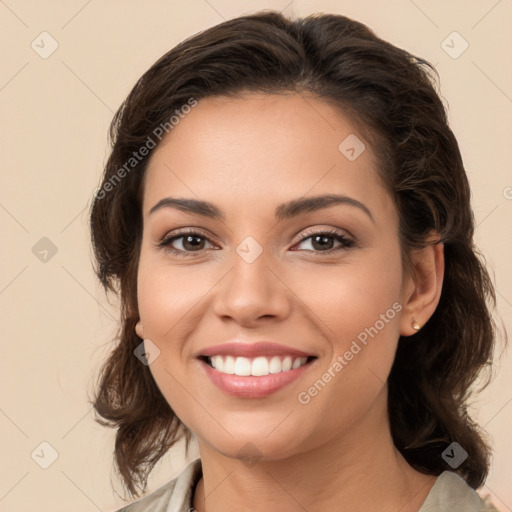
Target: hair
(391, 95)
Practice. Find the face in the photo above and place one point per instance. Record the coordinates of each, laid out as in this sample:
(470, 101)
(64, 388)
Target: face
(264, 277)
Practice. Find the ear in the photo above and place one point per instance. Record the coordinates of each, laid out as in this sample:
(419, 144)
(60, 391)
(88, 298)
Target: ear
(139, 330)
(422, 290)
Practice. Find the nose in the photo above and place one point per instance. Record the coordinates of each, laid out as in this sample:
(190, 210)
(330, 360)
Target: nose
(252, 293)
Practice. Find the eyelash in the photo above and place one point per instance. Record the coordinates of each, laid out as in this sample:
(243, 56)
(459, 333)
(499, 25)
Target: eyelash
(166, 242)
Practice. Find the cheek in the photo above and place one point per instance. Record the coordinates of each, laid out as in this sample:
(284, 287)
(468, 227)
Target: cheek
(352, 297)
(359, 310)
(168, 302)
(168, 297)
(171, 304)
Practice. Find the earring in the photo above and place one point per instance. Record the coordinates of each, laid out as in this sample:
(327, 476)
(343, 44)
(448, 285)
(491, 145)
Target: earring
(415, 325)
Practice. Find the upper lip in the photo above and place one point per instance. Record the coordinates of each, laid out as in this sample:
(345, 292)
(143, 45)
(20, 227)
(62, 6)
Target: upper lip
(260, 348)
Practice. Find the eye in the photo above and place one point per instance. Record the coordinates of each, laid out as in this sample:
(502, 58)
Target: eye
(185, 243)
(323, 241)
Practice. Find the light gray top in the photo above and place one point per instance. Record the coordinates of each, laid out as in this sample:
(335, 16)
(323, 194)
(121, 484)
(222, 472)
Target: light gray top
(450, 493)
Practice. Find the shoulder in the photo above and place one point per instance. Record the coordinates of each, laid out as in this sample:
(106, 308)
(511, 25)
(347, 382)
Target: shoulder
(174, 496)
(450, 493)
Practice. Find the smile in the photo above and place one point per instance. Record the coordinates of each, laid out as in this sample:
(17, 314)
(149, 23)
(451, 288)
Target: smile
(256, 367)
(259, 377)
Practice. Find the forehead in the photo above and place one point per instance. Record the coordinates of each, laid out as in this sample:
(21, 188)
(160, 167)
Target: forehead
(262, 148)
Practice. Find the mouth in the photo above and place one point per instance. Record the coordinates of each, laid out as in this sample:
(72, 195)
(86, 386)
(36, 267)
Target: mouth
(254, 375)
(260, 366)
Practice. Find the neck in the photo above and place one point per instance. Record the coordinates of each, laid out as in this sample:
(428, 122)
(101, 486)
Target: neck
(359, 471)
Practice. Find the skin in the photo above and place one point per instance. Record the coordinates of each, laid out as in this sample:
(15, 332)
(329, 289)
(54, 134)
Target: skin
(248, 155)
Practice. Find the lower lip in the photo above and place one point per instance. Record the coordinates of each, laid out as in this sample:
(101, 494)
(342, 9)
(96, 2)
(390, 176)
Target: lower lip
(250, 386)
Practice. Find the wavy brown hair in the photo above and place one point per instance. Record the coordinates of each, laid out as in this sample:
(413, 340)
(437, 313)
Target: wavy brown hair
(392, 96)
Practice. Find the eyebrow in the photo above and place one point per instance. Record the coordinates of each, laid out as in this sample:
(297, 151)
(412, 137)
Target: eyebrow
(284, 211)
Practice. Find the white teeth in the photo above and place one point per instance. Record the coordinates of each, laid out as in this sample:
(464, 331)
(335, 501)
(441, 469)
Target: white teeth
(256, 367)
(275, 365)
(259, 366)
(287, 364)
(229, 365)
(296, 363)
(242, 366)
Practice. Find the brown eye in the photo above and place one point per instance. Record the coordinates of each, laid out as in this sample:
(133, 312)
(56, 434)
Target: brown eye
(322, 242)
(325, 242)
(192, 242)
(185, 243)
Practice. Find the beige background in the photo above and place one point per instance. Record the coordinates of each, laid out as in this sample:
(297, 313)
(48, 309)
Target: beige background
(56, 323)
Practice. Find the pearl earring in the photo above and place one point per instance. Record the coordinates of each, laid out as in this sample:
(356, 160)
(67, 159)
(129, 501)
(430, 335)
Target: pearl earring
(415, 325)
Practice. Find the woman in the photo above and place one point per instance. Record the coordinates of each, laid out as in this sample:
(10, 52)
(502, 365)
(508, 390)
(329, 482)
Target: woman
(286, 218)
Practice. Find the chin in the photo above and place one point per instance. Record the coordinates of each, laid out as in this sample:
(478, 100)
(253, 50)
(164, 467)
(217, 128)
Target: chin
(257, 446)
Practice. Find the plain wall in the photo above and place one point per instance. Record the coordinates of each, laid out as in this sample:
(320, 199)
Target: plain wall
(56, 323)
